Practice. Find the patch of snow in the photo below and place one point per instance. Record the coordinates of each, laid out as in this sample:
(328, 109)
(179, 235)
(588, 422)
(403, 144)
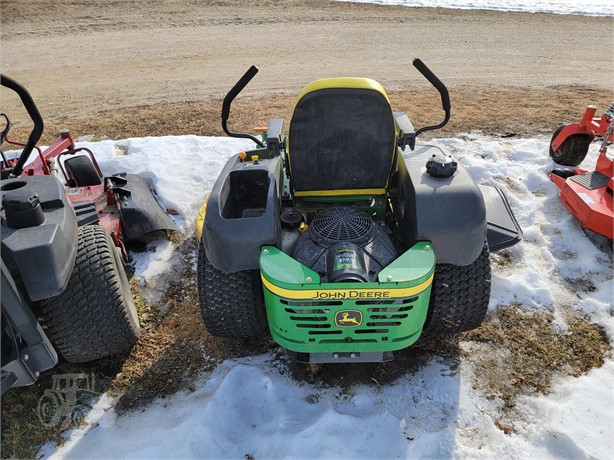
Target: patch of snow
(251, 406)
(584, 8)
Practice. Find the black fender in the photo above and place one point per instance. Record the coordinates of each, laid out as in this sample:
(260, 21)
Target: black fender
(454, 213)
(139, 211)
(449, 212)
(243, 213)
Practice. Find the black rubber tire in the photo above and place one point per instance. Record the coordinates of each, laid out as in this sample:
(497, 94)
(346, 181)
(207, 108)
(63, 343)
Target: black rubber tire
(572, 151)
(95, 316)
(82, 171)
(232, 304)
(459, 296)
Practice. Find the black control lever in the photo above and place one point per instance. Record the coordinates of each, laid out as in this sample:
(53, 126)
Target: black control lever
(7, 128)
(443, 91)
(35, 115)
(235, 90)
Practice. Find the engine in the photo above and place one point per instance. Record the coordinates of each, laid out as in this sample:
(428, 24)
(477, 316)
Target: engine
(344, 244)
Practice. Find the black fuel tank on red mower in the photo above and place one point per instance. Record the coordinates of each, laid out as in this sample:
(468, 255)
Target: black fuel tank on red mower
(39, 229)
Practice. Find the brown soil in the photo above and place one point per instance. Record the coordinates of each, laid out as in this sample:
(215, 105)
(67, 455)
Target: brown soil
(132, 68)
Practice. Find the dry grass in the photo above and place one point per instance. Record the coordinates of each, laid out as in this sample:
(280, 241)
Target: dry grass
(494, 110)
(22, 432)
(174, 344)
(519, 352)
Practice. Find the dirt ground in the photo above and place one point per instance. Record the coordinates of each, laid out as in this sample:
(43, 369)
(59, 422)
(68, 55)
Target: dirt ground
(120, 64)
(122, 68)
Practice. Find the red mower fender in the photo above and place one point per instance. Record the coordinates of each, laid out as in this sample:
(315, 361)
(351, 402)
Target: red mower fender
(570, 130)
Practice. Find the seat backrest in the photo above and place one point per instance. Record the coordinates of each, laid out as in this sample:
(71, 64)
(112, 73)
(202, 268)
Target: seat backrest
(342, 138)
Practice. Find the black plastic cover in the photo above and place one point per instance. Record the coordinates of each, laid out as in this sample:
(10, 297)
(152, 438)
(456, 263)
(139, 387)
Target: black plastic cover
(42, 257)
(503, 229)
(243, 214)
(140, 212)
(450, 212)
(30, 350)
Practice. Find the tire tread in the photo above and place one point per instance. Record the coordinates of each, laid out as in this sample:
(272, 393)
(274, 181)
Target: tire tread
(231, 304)
(459, 296)
(95, 316)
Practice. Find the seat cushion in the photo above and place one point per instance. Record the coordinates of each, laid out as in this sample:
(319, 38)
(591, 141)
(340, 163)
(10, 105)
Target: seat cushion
(341, 139)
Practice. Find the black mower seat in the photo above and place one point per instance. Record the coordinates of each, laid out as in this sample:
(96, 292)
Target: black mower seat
(342, 138)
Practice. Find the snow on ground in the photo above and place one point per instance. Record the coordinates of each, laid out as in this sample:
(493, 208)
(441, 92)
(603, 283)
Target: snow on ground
(583, 8)
(252, 406)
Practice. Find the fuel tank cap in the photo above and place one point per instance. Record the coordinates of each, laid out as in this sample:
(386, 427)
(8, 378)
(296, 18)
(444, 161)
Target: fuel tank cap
(440, 165)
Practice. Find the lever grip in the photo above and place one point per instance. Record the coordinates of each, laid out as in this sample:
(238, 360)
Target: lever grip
(236, 89)
(436, 82)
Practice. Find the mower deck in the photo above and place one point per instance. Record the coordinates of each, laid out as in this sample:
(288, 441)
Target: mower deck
(587, 197)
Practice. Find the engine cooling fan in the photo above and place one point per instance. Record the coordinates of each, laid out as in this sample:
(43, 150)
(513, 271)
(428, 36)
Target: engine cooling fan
(342, 224)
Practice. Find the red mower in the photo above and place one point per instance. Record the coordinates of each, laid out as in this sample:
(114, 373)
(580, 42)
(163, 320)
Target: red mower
(122, 204)
(586, 194)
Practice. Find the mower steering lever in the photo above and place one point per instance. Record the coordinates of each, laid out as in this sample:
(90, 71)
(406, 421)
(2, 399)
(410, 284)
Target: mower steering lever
(234, 91)
(6, 129)
(35, 115)
(443, 91)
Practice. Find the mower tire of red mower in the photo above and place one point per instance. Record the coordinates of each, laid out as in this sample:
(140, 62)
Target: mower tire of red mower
(572, 151)
(459, 296)
(95, 316)
(232, 304)
(82, 171)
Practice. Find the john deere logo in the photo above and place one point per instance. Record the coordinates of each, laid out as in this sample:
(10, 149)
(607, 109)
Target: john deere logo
(348, 318)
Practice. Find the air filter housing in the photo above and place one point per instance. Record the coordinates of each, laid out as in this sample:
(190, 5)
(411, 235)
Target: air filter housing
(345, 244)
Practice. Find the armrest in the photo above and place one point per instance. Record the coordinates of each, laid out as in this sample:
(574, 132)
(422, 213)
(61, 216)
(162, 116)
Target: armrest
(274, 141)
(405, 130)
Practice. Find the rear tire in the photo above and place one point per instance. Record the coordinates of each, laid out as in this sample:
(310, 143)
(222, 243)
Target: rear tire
(82, 171)
(572, 151)
(459, 296)
(95, 316)
(232, 304)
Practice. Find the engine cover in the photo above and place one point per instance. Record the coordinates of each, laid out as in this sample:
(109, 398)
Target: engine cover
(345, 244)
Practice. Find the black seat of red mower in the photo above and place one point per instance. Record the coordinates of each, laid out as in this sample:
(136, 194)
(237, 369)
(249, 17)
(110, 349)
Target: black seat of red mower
(342, 139)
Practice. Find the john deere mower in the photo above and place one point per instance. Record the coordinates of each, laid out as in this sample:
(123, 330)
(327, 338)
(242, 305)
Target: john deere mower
(347, 239)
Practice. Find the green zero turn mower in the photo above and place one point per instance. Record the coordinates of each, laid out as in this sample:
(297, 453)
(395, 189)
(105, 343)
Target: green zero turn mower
(341, 242)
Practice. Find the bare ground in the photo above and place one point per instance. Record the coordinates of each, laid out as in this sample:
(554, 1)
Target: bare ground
(135, 68)
(128, 68)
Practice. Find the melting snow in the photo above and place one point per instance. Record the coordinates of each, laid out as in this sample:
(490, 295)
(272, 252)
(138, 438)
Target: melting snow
(252, 407)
